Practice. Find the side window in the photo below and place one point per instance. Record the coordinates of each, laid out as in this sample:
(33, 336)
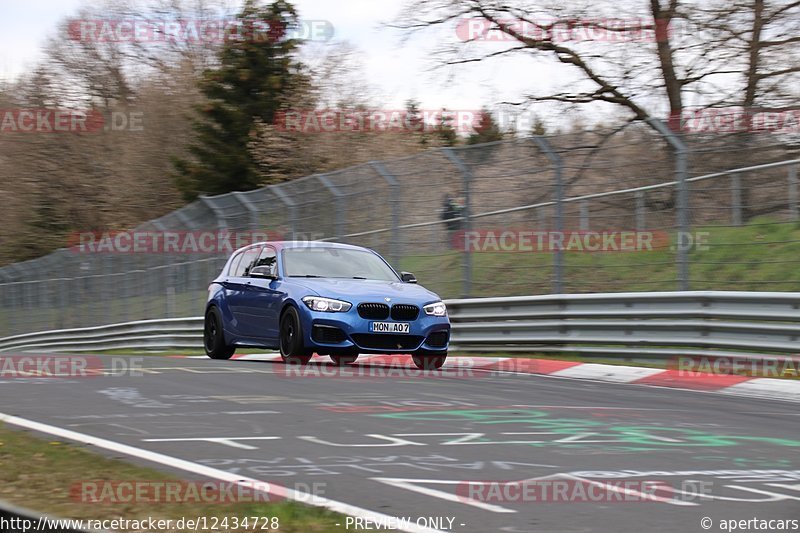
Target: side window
(248, 258)
(268, 258)
(234, 262)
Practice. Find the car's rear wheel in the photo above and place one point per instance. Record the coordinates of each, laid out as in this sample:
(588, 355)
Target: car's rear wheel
(214, 336)
(429, 362)
(291, 335)
(340, 360)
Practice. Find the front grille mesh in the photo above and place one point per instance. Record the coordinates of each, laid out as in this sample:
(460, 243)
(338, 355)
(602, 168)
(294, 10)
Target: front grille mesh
(384, 341)
(373, 311)
(405, 312)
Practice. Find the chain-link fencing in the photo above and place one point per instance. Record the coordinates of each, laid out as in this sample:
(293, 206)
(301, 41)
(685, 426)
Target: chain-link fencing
(632, 209)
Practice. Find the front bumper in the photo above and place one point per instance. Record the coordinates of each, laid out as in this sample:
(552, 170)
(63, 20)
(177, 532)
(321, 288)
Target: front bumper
(348, 332)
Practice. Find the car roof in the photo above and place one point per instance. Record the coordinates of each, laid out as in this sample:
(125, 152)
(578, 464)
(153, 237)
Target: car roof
(280, 245)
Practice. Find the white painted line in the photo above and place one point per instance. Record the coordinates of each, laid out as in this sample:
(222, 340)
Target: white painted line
(474, 362)
(766, 388)
(642, 496)
(775, 496)
(212, 473)
(258, 357)
(414, 486)
(614, 373)
(227, 441)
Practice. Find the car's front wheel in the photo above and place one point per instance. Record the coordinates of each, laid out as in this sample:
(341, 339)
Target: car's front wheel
(214, 336)
(429, 362)
(291, 335)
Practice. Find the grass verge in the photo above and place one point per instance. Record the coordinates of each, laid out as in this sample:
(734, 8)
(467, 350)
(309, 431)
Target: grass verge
(39, 474)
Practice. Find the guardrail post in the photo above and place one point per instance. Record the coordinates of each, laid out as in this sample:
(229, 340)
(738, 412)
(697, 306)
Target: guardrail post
(640, 211)
(289, 203)
(736, 199)
(793, 193)
(339, 196)
(394, 201)
(466, 217)
(558, 168)
(682, 205)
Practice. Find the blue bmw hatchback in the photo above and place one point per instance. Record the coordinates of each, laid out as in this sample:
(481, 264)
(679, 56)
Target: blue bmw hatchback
(316, 297)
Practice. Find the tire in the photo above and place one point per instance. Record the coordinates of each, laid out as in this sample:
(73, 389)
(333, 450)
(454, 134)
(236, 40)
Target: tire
(214, 336)
(429, 362)
(291, 339)
(341, 360)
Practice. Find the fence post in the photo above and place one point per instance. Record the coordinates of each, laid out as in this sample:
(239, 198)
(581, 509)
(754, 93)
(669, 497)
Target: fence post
(170, 279)
(640, 211)
(4, 331)
(541, 219)
(288, 202)
(558, 168)
(339, 224)
(13, 308)
(793, 193)
(394, 200)
(584, 209)
(466, 217)
(252, 210)
(218, 213)
(736, 199)
(682, 205)
(185, 220)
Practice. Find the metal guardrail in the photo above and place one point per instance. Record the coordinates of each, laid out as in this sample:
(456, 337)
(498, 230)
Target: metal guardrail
(162, 334)
(660, 324)
(632, 324)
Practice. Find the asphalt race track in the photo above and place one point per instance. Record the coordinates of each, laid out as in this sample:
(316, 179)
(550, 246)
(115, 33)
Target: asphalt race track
(400, 445)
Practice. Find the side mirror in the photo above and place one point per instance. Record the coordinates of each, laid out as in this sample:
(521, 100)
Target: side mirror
(408, 277)
(263, 272)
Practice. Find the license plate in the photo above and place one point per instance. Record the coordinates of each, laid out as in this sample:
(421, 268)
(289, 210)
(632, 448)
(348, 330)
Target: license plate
(389, 327)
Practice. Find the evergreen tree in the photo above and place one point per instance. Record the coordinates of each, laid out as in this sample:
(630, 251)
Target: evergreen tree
(486, 130)
(445, 131)
(256, 69)
(539, 127)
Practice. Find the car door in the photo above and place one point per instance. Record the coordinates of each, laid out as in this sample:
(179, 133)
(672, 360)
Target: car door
(237, 291)
(263, 299)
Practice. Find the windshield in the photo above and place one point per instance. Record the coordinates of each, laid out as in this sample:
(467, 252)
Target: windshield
(336, 263)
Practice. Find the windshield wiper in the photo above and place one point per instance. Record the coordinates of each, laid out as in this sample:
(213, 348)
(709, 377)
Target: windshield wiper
(306, 276)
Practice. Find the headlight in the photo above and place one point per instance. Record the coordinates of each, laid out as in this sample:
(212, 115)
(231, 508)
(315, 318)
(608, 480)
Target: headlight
(436, 309)
(326, 305)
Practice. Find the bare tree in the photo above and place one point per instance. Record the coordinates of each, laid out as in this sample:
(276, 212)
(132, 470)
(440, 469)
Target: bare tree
(646, 57)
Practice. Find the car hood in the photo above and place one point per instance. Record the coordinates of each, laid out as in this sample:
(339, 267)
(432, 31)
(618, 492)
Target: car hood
(360, 290)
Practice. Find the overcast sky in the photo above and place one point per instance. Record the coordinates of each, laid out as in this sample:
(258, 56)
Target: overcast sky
(396, 69)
